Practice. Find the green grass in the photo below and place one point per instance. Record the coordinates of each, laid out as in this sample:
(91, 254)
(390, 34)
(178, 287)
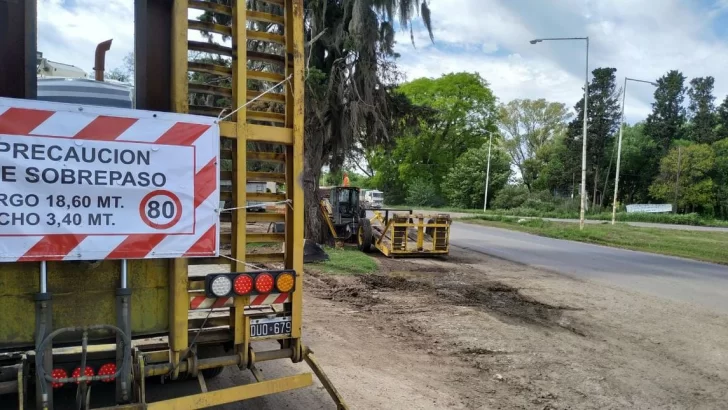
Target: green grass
(680, 219)
(699, 245)
(347, 261)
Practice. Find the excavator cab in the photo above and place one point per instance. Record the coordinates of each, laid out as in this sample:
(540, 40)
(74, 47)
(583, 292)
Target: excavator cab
(346, 216)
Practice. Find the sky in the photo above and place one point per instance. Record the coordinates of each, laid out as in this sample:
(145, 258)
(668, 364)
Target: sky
(642, 39)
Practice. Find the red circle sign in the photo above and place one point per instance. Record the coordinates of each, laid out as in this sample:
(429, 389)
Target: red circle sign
(160, 213)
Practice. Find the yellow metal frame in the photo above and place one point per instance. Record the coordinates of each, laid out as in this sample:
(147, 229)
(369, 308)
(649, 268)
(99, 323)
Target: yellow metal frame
(417, 222)
(164, 286)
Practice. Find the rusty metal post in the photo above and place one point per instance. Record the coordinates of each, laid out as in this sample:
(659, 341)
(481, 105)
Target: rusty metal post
(18, 49)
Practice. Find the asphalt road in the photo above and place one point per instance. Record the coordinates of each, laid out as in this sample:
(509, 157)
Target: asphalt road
(684, 280)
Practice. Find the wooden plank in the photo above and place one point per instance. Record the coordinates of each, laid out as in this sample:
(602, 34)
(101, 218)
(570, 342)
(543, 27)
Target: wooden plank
(265, 17)
(210, 27)
(266, 57)
(265, 36)
(228, 129)
(209, 68)
(271, 97)
(211, 90)
(266, 156)
(265, 237)
(266, 116)
(266, 197)
(265, 257)
(266, 217)
(267, 177)
(210, 6)
(212, 48)
(264, 133)
(265, 76)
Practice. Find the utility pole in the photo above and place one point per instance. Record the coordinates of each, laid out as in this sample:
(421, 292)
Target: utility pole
(586, 97)
(677, 178)
(619, 149)
(487, 173)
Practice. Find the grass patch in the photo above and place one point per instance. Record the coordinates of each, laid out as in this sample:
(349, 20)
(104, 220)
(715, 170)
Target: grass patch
(672, 219)
(347, 261)
(698, 245)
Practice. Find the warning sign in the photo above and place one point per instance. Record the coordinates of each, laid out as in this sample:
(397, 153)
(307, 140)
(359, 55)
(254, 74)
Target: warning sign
(106, 183)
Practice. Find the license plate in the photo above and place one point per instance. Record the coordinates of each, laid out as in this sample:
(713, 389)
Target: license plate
(275, 326)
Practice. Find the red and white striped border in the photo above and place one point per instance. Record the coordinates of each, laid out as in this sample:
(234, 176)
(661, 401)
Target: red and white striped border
(42, 118)
(203, 302)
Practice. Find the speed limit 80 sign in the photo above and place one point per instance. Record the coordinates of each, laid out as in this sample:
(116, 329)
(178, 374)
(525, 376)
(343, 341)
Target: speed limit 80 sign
(106, 183)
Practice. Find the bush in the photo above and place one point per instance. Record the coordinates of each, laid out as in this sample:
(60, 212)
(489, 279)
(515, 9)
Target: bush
(422, 192)
(511, 196)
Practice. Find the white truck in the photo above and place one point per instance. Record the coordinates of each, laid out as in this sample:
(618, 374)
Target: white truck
(373, 198)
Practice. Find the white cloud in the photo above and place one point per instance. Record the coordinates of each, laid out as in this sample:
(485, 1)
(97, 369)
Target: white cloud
(68, 32)
(642, 39)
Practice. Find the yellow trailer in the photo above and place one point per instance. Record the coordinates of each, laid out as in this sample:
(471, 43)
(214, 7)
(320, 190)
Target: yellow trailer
(68, 329)
(408, 234)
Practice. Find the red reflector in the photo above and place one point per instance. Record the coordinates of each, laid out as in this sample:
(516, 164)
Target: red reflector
(243, 284)
(109, 369)
(88, 373)
(58, 374)
(264, 283)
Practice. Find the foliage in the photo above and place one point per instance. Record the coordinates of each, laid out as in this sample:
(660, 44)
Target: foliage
(125, 73)
(665, 122)
(462, 109)
(687, 170)
(720, 177)
(511, 196)
(464, 184)
(603, 119)
(722, 128)
(639, 153)
(701, 109)
(423, 192)
(529, 126)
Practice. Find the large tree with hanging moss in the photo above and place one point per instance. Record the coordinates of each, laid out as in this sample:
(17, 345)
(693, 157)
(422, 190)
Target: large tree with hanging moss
(351, 76)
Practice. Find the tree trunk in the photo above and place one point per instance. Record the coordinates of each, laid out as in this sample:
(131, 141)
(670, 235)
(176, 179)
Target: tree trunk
(314, 226)
(596, 182)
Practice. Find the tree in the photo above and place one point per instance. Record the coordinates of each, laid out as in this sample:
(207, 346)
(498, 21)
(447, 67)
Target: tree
(639, 153)
(528, 125)
(722, 129)
(701, 109)
(720, 177)
(464, 184)
(603, 120)
(350, 84)
(668, 114)
(125, 73)
(694, 184)
(462, 112)
(117, 74)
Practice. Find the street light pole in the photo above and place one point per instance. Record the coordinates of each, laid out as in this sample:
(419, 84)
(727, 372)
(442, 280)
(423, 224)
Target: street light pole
(487, 173)
(619, 145)
(586, 104)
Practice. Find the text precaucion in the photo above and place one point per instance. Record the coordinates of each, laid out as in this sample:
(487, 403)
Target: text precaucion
(62, 185)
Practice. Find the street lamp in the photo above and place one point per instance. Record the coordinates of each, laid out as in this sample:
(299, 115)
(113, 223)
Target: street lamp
(583, 148)
(619, 144)
(487, 172)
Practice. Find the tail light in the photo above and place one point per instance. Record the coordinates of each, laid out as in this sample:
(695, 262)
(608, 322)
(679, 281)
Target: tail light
(285, 282)
(221, 286)
(58, 374)
(243, 284)
(109, 369)
(264, 283)
(218, 285)
(89, 372)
